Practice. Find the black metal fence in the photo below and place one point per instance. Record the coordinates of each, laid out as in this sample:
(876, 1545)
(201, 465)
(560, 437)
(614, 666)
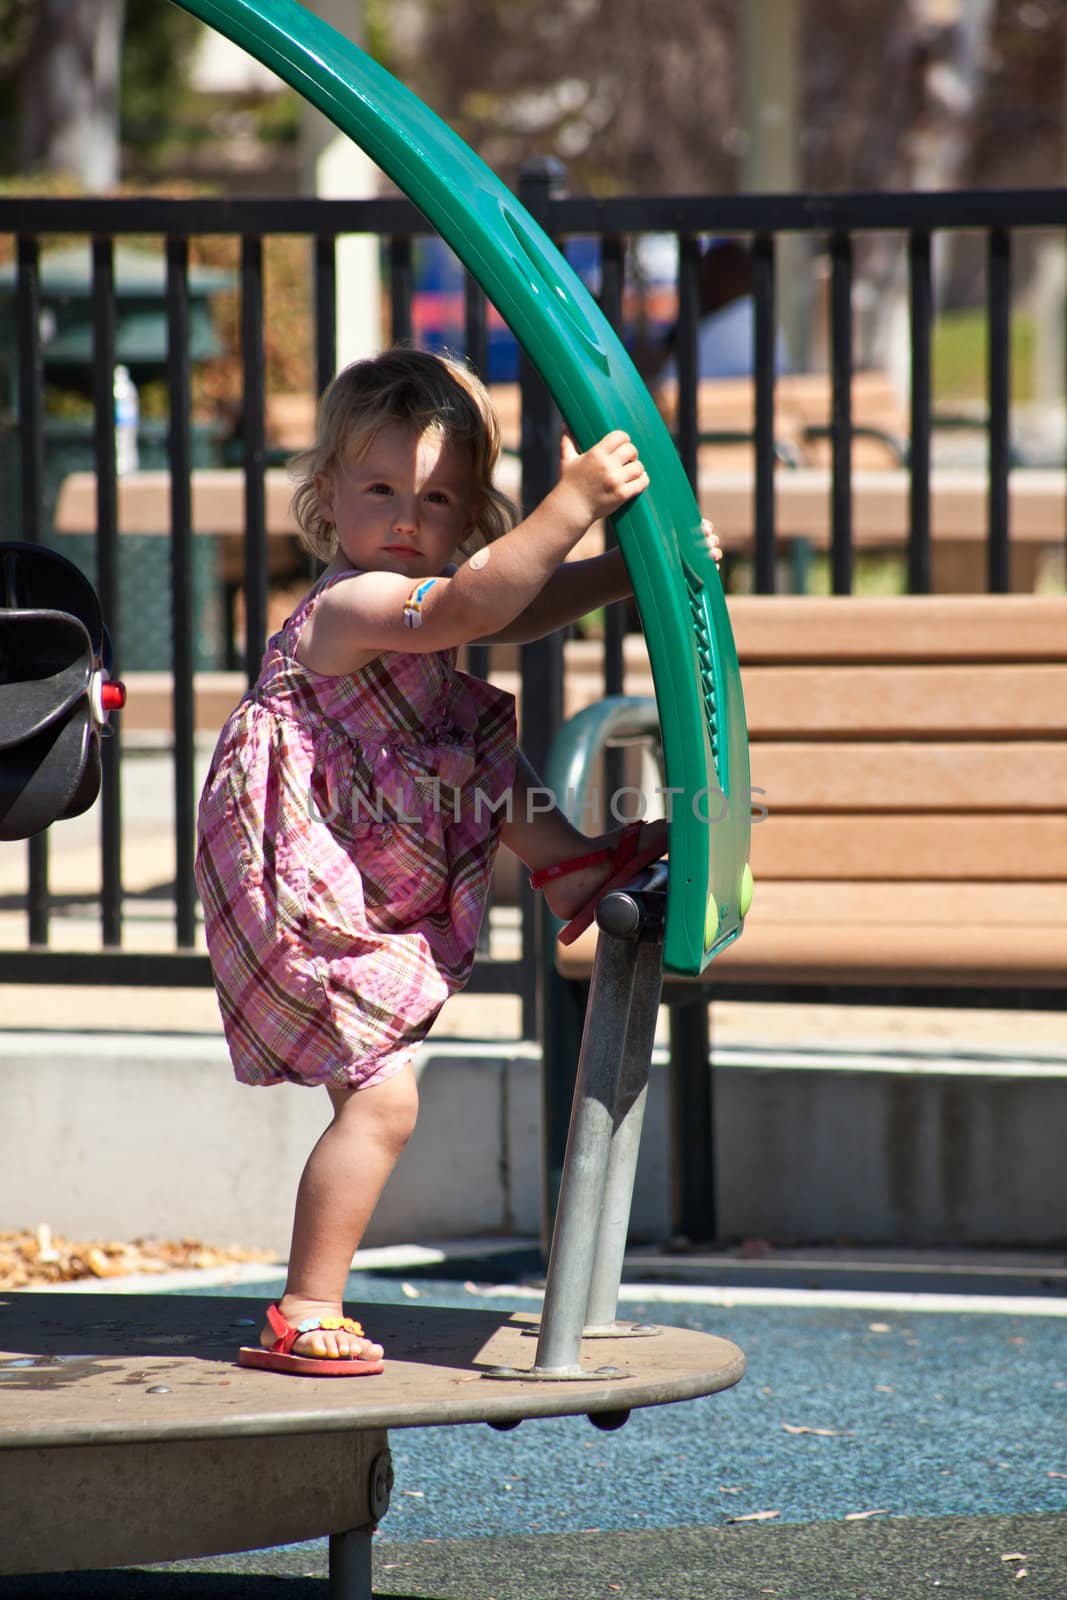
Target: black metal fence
(833, 223)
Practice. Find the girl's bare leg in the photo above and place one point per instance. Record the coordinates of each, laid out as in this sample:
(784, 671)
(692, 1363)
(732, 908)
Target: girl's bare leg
(339, 1189)
(540, 835)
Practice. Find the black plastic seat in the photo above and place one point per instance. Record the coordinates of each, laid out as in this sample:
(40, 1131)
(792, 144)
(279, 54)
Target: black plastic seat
(53, 706)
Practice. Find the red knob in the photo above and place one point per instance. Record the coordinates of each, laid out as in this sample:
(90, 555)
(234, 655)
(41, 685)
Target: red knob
(113, 695)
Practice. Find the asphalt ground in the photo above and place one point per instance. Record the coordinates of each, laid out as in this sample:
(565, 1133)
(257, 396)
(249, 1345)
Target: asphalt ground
(947, 1558)
(883, 1444)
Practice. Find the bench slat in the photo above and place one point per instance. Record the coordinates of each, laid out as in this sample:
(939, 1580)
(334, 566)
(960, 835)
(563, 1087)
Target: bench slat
(938, 848)
(900, 702)
(881, 777)
(970, 958)
(900, 628)
(818, 953)
(910, 904)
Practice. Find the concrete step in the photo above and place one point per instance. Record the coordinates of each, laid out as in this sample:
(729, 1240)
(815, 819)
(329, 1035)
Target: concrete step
(835, 1144)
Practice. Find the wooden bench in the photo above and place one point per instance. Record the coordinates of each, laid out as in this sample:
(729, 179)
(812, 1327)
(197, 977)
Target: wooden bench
(912, 754)
(912, 758)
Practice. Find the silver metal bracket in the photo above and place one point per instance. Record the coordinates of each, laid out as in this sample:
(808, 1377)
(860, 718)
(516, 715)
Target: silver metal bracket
(554, 1374)
(622, 1330)
(605, 1330)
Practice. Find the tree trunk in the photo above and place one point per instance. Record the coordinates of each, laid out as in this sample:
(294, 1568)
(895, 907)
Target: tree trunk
(69, 103)
(937, 142)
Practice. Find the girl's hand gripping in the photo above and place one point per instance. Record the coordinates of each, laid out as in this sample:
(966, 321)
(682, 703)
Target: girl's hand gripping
(600, 480)
(711, 538)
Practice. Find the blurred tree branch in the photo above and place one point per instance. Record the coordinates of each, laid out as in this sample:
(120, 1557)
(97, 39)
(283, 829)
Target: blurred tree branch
(641, 96)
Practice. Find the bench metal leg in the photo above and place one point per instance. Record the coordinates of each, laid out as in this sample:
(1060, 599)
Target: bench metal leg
(350, 1565)
(626, 1141)
(692, 1125)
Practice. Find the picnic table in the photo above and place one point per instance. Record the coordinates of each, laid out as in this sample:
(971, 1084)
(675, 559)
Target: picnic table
(1037, 498)
(959, 513)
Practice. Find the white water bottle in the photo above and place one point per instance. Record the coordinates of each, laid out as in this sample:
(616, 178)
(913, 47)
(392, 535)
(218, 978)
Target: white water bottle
(127, 416)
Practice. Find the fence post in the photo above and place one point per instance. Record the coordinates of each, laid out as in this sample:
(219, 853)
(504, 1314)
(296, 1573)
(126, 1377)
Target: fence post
(548, 1006)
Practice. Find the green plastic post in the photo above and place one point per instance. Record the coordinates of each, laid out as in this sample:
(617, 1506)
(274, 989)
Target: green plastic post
(597, 388)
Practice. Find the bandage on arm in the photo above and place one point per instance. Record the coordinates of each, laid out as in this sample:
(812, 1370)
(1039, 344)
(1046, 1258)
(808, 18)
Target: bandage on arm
(413, 603)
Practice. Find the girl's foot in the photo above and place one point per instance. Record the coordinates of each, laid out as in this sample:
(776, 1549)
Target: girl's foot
(567, 894)
(322, 1343)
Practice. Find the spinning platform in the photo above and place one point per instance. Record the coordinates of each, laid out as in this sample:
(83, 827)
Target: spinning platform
(129, 1433)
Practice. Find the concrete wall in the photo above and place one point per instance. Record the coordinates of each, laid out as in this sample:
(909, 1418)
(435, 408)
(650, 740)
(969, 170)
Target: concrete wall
(137, 1135)
(901, 1155)
(130, 1135)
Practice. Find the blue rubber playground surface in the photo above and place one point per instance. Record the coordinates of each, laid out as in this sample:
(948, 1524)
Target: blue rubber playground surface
(844, 1413)
(882, 1445)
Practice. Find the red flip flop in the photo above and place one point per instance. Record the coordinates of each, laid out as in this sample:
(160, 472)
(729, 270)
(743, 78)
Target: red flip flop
(626, 862)
(280, 1357)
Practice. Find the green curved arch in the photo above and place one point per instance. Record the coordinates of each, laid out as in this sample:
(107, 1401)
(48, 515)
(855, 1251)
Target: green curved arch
(597, 388)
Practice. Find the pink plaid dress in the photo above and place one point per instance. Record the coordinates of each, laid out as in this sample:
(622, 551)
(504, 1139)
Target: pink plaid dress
(347, 832)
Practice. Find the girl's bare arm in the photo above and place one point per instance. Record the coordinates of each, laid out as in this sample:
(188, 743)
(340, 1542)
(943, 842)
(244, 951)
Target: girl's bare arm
(575, 589)
(358, 620)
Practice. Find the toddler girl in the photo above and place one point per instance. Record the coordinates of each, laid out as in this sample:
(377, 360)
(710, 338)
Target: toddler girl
(357, 795)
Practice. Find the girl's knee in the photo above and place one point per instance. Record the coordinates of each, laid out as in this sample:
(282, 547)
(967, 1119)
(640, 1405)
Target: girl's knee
(401, 1106)
(391, 1106)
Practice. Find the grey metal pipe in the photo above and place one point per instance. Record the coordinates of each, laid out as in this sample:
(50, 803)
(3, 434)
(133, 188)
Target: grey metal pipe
(585, 1167)
(350, 1565)
(626, 1140)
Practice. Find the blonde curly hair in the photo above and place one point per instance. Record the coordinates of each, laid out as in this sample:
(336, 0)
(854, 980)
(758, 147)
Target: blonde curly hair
(436, 393)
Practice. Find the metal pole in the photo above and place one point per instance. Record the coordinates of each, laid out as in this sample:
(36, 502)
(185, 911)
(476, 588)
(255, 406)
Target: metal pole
(770, 49)
(350, 1565)
(585, 1167)
(626, 1141)
(541, 666)
(692, 1125)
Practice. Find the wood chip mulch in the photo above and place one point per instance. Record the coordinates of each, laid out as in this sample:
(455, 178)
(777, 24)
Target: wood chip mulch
(37, 1256)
